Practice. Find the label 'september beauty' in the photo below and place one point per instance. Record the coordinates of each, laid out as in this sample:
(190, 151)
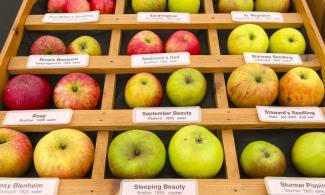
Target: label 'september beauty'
(163, 17)
(58, 61)
(167, 115)
(243, 16)
(159, 186)
(82, 17)
(290, 114)
(273, 58)
(161, 59)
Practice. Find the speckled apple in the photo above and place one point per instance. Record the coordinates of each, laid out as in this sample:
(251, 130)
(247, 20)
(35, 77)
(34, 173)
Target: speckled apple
(73, 6)
(48, 45)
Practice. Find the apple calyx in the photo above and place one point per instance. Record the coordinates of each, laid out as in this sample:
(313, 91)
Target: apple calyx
(143, 82)
(62, 146)
(303, 77)
(188, 80)
(251, 36)
(83, 46)
(199, 140)
(74, 89)
(135, 154)
(291, 40)
(2, 141)
(258, 79)
(266, 154)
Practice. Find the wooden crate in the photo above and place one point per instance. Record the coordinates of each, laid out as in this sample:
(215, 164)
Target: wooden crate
(317, 8)
(107, 120)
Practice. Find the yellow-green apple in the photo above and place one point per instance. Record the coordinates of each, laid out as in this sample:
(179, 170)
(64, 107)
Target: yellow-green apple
(16, 153)
(183, 41)
(148, 5)
(272, 5)
(187, 6)
(56, 5)
(252, 85)
(143, 90)
(77, 91)
(227, 6)
(308, 154)
(73, 6)
(287, 40)
(136, 154)
(47, 45)
(260, 159)
(186, 87)
(27, 92)
(301, 87)
(195, 152)
(85, 45)
(64, 153)
(104, 6)
(247, 38)
(145, 42)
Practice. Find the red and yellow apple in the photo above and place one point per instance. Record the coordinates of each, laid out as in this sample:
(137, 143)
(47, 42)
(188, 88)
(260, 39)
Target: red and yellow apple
(47, 45)
(272, 5)
(85, 45)
(145, 42)
(56, 5)
(73, 6)
(104, 6)
(183, 41)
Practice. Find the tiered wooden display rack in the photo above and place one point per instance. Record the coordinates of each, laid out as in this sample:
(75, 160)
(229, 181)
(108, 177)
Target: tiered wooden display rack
(107, 120)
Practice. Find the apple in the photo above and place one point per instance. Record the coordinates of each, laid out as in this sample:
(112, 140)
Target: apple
(195, 152)
(136, 154)
(47, 45)
(186, 87)
(16, 153)
(145, 42)
(227, 6)
(247, 38)
(252, 85)
(143, 90)
(308, 154)
(64, 153)
(56, 5)
(260, 159)
(73, 6)
(27, 92)
(85, 45)
(187, 6)
(104, 6)
(272, 5)
(301, 87)
(148, 5)
(183, 41)
(287, 40)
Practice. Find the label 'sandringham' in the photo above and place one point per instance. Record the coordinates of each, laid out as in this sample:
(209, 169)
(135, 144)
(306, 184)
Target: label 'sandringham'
(163, 17)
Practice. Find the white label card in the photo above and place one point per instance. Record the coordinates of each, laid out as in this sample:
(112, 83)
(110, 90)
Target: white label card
(167, 115)
(290, 114)
(38, 117)
(242, 16)
(35, 186)
(58, 61)
(294, 186)
(81, 17)
(159, 186)
(163, 17)
(273, 58)
(161, 59)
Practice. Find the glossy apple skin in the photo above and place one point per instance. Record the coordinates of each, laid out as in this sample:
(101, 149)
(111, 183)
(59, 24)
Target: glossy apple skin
(47, 45)
(64, 153)
(145, 42)
(56, 5)
(226, 6)
(183, 41)
(136, 154)
(287, 40)
(85, 45)
(272, 5)
(252, 85)
(301, 87)
(143, 90)
(104, 6)
(77, 91)
(186, 6)
(74, 6)
(194, 152)
(308, 154)
(260, 159)
(16, 153)
(148, 5)
(27, 92)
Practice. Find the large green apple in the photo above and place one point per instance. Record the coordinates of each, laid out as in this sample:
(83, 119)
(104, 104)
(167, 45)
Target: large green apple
(148, 5)
(247, 38)
(187, 6)
(186, 87)
(227, 6)
(260, 159)
(272, 5)
(136, 154)
(308, 154)
(195, 152)
(287, 40)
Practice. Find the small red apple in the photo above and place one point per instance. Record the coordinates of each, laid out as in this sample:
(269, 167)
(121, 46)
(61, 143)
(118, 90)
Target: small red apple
(73, 6)
(104, 6)
(47, 45)
(56, 5)
(183, 41)
(145, 42)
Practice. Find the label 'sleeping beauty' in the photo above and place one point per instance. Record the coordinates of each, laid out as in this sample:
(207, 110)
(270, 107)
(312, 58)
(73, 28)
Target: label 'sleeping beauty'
(159, 187)
(167, 115)
(58, 61)
(81, 17)
(272, 58)
(163, 17)
(242, 16)
(290, 114)
(161, 59)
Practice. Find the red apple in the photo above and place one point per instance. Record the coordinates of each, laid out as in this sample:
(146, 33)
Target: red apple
(183, 41)
(56, 5)
(104, 6)
(145, 42)
(73, 6)
(47, 45)
(27, 92)
(77, 91)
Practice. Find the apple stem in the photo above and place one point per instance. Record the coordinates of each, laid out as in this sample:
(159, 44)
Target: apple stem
(62, 146)
(74, 89)
(266, 154)
(199, 140)
(2, 141)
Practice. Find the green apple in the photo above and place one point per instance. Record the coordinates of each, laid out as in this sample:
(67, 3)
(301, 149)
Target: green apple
(252, 85)
(260, 159)
(148, 5)
(195, 152)
(85, 45)
(301, 87)
(287, 40)
(227, 6)
(136, 154)
(186, 87)
(187, 6)
(308, 154)
(247, 38)
(272, 5)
